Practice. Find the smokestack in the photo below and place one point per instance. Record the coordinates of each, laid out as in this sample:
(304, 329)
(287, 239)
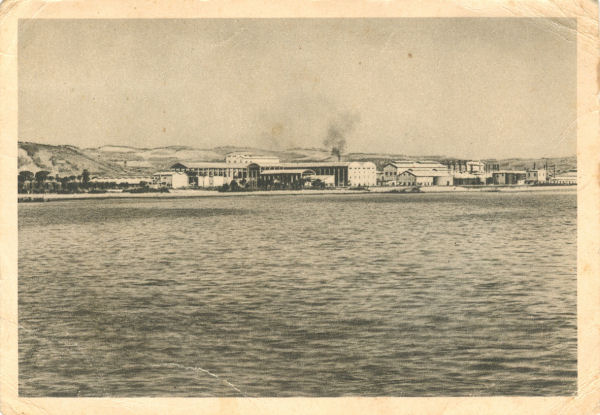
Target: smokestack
(338, 130)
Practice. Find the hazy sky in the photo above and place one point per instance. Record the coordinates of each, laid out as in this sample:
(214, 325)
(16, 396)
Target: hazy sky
(473, 88)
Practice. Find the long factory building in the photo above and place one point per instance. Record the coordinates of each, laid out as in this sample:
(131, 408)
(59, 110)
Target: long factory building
(268, 171)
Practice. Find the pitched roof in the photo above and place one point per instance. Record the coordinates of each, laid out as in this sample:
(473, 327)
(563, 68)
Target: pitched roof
(426, 173)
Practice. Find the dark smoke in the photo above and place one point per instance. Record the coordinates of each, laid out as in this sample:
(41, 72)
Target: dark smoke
(337, 132)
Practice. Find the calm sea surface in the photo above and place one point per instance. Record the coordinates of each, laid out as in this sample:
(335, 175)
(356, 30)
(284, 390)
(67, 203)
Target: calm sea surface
(397, 295)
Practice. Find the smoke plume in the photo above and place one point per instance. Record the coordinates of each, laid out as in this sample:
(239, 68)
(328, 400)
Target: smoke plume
(337, 132)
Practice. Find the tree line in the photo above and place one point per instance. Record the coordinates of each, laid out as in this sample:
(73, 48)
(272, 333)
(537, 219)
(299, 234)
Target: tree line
(44, 182)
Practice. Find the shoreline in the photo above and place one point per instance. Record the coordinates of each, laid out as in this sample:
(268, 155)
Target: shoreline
(196, 193)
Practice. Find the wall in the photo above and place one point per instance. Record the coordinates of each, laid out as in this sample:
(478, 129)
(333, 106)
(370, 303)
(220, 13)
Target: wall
(406, 179)
(443, 181)
(424, 181)
(390, 175)
(179, 180)
(362, 174)
(212, 181)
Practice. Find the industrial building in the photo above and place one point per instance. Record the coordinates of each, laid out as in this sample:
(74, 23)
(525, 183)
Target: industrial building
(504, 177)
(475, 167)
(344, 173)
(229, 171)
(424, 178)
(416, 173)
(469, 179)
(567, 178)
(214, 174)
(536, 176)
(259, 173)
(170, 179)
(284, 177)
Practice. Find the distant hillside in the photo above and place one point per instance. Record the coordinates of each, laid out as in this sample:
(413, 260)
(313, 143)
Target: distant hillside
(62, 160)
(562, 163)
(123, 160)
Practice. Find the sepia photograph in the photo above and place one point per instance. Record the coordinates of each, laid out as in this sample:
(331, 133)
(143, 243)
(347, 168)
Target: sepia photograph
(298, 207)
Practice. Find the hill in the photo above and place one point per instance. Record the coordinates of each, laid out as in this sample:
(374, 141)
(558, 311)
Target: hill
(63, 160)
(66, 160)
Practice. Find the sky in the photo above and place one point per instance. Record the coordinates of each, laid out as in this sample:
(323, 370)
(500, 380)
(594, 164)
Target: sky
(468, 88)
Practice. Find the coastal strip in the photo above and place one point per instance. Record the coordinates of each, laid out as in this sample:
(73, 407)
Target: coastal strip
(196, 193)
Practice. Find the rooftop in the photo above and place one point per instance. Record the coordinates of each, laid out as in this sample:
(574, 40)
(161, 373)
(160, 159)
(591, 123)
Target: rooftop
(426, 173)
(286, 171)
(209, 165)
(166, 173)
(417, 164)
(293, 165)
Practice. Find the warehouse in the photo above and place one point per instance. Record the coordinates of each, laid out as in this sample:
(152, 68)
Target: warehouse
(285, 177)
(439, 173)
(568, 178)
(424, 178)
(227, 172)
(344, 173)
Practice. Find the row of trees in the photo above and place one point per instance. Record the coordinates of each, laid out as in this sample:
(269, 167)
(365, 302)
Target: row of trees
(43, 176)
(44, 182)
(234, 186)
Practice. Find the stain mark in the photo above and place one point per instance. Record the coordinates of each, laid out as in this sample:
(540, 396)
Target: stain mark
(277, 129)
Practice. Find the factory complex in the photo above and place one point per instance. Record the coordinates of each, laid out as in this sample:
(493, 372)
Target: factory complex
(244, 170)
(269, 172)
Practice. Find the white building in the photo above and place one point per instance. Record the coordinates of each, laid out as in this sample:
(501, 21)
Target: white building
(343, 173)
(247, 158)
(393, 170)
(569, 177)
(424, 178)
(475, 167)
(536, 176)
(171, 179)
(362, 173)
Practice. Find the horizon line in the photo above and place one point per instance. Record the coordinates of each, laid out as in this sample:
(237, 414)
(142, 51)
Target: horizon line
(295, 148)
